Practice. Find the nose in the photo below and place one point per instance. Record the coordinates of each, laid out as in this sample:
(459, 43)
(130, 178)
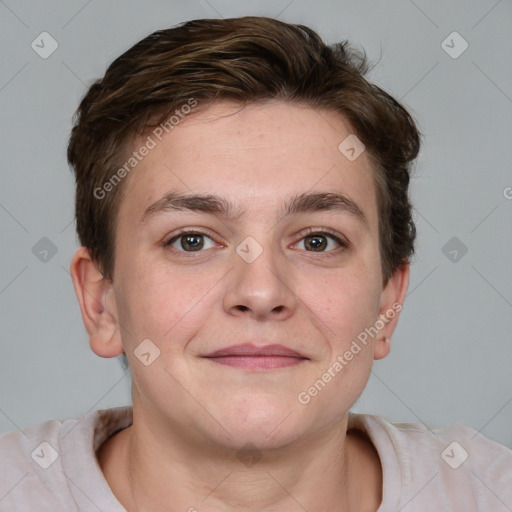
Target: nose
(261, 289)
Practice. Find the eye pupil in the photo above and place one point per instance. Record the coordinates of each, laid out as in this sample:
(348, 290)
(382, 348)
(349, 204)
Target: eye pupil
(195, 242)
(316, 242)
(192, 242)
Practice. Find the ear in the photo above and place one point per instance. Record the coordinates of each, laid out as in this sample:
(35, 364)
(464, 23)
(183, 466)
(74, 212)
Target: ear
(391, 300)
(97, 303)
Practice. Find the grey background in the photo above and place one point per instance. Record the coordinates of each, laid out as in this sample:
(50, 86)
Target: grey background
(451, 356)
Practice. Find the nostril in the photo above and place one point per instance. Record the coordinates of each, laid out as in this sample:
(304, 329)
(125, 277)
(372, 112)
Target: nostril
(242, 308)
(278, 309)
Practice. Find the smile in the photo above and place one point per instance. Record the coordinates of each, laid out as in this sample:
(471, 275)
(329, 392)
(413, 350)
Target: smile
(257, 356)
(257, 362)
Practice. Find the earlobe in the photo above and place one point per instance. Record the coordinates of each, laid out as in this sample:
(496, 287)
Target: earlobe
(392, 298)
(97, 305)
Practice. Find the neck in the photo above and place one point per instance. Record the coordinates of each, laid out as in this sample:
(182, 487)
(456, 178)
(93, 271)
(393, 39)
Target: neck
(331, 471)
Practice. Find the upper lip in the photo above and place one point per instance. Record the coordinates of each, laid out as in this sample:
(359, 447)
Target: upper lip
(249, 349)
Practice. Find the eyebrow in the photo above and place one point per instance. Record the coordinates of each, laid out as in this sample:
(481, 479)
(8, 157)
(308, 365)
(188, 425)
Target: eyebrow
(307, 202)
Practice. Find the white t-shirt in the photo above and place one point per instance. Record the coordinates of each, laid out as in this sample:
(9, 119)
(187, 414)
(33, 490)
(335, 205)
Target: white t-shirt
(52, 467)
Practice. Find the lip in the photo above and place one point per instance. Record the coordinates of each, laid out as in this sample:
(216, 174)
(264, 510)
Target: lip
(250, 356)
(251, 350)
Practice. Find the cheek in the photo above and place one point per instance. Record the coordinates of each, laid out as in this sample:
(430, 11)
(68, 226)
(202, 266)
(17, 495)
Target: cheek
(163, 304)
(345, 300)
(344, 311)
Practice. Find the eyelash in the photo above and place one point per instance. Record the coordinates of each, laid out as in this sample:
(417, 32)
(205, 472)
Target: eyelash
(309, 231)
(343, 244)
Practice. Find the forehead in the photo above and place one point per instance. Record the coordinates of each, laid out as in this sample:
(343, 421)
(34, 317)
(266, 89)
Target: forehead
(255, 157)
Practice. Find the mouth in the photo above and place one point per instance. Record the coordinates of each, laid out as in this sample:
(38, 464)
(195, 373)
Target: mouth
(250, 357)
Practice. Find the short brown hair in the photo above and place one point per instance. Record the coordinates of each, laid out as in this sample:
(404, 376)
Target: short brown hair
(246, 59)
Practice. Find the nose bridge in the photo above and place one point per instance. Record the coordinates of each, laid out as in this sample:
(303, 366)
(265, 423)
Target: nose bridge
(259, 281)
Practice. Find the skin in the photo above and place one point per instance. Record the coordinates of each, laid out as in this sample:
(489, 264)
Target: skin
(192, 416)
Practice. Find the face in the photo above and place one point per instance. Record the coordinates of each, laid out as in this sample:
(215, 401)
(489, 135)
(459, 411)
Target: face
(272, 268)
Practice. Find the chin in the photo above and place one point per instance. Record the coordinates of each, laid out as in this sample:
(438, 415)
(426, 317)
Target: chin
(264, 423)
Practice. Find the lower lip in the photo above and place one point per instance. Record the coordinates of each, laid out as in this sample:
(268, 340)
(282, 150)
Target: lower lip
(257, 362)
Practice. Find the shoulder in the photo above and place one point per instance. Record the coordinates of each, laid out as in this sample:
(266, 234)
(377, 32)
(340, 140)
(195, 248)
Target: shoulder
(451, 466)
(42, 465)
(31, 467)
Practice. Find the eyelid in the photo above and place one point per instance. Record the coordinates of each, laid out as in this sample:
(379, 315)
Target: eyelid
(340, 239)
(324, 231)
(186, 231)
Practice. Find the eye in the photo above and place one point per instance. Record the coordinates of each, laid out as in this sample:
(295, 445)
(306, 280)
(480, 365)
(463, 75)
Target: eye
(321, 241)
(190, 241)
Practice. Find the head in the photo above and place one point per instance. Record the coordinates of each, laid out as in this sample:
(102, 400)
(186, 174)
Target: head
(294, 240)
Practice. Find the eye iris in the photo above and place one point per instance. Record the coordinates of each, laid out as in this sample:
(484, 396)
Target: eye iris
(316, 242)
(192, 242)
